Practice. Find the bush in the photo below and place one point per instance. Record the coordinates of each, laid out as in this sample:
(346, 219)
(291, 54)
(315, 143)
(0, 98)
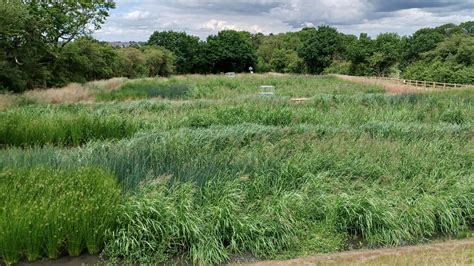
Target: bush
(338, 67)
(47, 211)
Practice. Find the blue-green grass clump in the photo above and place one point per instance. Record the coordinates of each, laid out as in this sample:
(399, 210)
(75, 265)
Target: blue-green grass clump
(147, 88)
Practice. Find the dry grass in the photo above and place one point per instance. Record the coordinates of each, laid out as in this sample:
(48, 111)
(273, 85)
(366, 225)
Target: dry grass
(75, 92)
(72, 93)
(108, 85)
(7, 100)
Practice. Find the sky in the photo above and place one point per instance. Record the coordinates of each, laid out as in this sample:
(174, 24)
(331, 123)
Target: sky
(136, 20)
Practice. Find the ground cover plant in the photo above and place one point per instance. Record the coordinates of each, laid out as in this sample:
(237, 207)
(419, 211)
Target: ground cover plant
(224, 172)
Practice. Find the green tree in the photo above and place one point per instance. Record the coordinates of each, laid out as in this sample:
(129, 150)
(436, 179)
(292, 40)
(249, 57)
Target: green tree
(358, 53)
(272, 45)
(230, 50)
(387, 50)
(185, 48)
(14, 19)
(159, 61)
(286, 61)
(131, 63)
(85, 59)
(468, 27)
(34, 34)
(319, 48)
(420, 42)
(451, 61)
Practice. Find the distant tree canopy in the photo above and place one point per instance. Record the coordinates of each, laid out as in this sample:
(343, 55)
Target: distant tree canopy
(48, 43)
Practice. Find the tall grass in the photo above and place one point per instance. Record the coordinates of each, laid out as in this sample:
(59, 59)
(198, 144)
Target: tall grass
(208, 224)
(294, 183)
(46, 212)
(26, 128)
(262, 216)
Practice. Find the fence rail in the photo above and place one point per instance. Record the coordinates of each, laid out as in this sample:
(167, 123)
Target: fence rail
(426, 84)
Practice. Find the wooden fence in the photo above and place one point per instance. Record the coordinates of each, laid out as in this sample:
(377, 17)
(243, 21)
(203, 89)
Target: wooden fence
(425, 84)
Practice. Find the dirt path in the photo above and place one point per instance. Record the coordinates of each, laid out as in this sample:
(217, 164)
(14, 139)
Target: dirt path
(453, 252)
(391, 86)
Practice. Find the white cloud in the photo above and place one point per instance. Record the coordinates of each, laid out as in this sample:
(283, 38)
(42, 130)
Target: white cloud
(218, 25)
(137, 15)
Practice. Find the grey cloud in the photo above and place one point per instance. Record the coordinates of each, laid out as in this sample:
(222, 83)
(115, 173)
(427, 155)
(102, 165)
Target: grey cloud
(136, 20)
(226, 7)
(395, 5)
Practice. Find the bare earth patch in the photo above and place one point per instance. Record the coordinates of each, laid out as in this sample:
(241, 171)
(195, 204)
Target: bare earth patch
(453, 252)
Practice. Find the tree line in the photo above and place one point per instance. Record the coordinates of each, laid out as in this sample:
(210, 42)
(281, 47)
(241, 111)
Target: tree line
(442, 54)
(49, 43)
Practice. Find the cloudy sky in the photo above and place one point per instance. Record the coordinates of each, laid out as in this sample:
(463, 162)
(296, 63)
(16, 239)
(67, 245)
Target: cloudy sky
(137, 19)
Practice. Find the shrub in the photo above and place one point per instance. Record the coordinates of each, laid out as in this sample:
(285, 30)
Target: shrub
(46, 211)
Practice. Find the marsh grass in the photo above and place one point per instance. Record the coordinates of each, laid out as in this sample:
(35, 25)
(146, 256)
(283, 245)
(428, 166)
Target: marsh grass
(209, 194)
(227, 172)
(146, 88)
(34, 223)
(29, 128)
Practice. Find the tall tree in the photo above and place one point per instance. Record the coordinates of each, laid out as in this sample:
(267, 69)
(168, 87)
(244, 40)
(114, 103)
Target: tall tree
(14, 19)
(230, 50)
(319, 48)
(184, 46)
(85, 59)
(387, 53)
(359, 53)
